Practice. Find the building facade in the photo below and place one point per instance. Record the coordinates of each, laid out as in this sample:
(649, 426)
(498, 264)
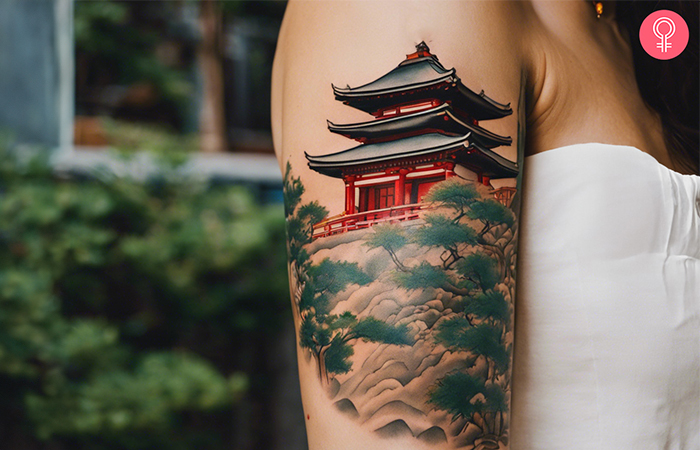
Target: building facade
(425, 129)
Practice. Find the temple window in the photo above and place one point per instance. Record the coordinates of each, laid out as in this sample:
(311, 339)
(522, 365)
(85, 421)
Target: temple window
(384, 197)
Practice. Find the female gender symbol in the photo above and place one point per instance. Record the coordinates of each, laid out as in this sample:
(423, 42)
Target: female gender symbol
(664, 45)
(664, 34)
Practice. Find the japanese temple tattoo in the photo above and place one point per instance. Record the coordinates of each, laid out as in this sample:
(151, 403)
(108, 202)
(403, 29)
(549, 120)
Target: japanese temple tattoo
(404, 299)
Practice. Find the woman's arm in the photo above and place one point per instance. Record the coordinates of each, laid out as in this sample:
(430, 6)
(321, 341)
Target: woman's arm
(401, 177)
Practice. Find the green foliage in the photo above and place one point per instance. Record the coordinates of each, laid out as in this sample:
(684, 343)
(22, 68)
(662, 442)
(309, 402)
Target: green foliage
(481, 269)
(312, 212)
(338, 355)
(144, 398)
(129, 137)
(422, 276)
(473, 263)
(89, 16)
(331, 277)
(453, 193)
(455, 393)
(328, 337)
(292, 189)
(492, 212)
(345, 320)
(463, 395)
(484, 339)
(312, 334)
(441, 231)
(374, 330)
(122, 304)
(113, 32)
(391, 237)
(300, 221)
(325, 335)
(490, 305)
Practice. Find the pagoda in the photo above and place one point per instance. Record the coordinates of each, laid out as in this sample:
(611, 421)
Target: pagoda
(425, 130)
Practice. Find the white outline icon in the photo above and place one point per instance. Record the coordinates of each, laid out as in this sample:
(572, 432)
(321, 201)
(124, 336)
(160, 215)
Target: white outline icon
(664, 45)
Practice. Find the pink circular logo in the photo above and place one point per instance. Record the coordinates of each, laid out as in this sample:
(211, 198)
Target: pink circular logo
(664, 34)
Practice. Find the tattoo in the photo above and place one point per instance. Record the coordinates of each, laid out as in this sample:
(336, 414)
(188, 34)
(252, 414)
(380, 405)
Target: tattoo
(404, 299)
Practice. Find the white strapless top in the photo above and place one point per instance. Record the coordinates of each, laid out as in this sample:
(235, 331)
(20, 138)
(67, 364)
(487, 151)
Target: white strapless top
(607, 342)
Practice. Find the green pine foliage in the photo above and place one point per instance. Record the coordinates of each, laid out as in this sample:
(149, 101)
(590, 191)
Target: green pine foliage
(338, 356)
(300, 220)
(124, 307)
(465, 396)
(328, 336)
(443, 232)
(454, 194)
(459, 334)
(422, 276)
(490, 306)
(474, 232)
(389, 236)
(491, 212)
(479, 269)
(456, 392)
(330, 277)
(374, 330)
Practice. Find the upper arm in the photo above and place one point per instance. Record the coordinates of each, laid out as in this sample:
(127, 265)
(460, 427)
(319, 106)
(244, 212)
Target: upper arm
(401, 182)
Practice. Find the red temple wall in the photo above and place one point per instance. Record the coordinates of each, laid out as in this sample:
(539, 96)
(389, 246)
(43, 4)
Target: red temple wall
(423, 189)
(384, 196)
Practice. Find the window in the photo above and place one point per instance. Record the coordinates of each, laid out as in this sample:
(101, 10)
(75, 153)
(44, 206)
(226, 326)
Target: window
(384, 196)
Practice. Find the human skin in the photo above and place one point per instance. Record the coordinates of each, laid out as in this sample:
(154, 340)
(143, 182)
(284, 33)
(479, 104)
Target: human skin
(568, 78)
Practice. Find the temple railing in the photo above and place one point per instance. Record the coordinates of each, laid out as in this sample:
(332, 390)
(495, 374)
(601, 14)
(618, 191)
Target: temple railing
(342, 223)
(348, 222)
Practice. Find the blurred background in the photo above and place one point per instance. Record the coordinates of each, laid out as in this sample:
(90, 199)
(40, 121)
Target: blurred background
(143, 285)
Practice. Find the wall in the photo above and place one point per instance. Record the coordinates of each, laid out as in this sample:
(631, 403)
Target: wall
(36, 70)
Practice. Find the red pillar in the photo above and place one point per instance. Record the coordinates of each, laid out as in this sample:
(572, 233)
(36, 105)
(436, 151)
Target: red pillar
(350, 195)
(400, 188)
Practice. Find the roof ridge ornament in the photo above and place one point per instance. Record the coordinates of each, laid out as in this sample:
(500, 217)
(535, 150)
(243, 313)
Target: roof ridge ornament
(422, 50)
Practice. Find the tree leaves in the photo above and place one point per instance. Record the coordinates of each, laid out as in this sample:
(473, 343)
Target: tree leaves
(333, 276)
(338, 355)
(453, 193)
(312, 212)
(100, 282)
(145, 399)
(441, 231)
(300, 221)
(292, 189)
(481, 269)
(463, 395)
(458, 334)
(388, 236)
(422, 276)
(491, 212)
(374, 330)
(490, 305)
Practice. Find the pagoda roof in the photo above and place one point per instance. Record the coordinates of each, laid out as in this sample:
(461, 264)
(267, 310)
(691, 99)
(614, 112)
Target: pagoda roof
(490, 163)
(420, 78)
(441, 118)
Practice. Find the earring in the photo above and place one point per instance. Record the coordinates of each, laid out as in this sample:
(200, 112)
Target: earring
(598, 8)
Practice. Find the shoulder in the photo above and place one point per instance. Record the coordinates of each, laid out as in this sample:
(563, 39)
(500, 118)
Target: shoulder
(348, 43)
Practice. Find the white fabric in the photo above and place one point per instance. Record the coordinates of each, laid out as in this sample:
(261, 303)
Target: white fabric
(607, 340)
